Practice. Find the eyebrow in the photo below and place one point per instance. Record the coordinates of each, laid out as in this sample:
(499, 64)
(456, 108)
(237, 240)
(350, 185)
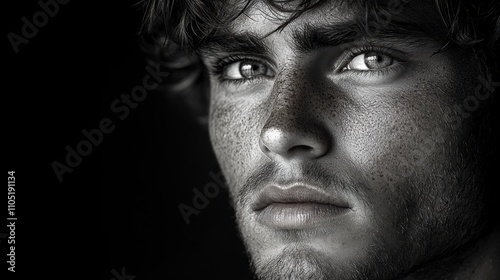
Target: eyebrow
(310, 37)
(228, 42)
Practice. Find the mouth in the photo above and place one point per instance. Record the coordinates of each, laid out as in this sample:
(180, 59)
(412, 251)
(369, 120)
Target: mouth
(297, 206)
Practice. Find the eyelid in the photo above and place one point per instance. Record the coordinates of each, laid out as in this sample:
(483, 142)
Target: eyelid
(220, 65)
(347, 56)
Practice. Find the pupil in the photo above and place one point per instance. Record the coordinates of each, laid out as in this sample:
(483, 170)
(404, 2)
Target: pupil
(248, 70)
(374, 61)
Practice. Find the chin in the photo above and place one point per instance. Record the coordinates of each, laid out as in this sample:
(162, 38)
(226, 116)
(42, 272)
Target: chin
(292, 262)
(325, 253)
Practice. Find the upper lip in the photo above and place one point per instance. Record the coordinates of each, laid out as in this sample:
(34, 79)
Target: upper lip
(295, 193)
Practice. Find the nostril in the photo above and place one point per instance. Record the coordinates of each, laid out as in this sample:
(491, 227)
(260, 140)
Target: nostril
(294, 143)
(263, 146)
(301, 148)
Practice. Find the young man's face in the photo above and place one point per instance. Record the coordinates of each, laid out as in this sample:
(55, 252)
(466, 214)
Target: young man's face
(343, 151)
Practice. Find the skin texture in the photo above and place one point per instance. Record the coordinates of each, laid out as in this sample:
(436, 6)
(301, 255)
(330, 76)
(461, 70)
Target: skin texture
(387, 143)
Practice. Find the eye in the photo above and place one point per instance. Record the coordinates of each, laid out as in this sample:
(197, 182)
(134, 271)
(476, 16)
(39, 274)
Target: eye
(369, 61)
(245, 70)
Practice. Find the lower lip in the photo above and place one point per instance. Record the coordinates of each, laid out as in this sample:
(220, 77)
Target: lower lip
(298, 215)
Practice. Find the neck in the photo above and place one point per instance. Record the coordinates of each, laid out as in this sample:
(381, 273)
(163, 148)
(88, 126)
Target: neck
(478, 260)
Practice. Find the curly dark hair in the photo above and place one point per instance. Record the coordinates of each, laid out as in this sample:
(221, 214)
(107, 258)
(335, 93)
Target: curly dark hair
(174, 30)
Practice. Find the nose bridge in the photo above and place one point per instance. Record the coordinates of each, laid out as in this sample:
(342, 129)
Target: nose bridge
(289, 95)
(293, 128)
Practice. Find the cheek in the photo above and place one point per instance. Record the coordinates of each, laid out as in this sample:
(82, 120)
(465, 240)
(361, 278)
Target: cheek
(389, 139)
(234, 136)
(401, 134)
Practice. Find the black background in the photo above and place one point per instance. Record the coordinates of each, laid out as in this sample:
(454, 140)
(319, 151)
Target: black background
(119, 207)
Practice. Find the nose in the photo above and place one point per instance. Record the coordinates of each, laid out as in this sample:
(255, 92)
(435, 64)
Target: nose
(291, 135)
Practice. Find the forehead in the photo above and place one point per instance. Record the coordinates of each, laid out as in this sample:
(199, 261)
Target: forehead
(263, 18)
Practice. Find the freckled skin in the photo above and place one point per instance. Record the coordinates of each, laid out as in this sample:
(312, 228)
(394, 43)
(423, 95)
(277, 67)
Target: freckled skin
(385, 136)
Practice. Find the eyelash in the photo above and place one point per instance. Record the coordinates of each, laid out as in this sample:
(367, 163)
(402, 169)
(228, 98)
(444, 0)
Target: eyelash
(219, 66)
(350, 54)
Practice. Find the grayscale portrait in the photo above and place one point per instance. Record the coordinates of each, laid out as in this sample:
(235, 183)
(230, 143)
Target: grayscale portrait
(356, 138)
(251, 140)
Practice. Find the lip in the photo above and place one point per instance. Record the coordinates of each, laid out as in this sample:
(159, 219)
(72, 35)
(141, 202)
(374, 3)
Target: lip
(297, 206)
